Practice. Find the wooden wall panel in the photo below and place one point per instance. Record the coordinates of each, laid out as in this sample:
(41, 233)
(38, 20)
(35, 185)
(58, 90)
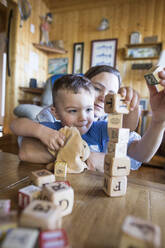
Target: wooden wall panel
(78, 23)
(21, 47)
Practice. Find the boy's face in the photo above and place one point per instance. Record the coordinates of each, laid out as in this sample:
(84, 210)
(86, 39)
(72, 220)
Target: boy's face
(75, 110)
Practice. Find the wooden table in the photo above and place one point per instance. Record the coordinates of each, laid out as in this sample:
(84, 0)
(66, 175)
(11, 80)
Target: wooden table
(96, 219)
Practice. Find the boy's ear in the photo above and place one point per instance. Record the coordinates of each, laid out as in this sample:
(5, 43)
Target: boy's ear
(54, 112)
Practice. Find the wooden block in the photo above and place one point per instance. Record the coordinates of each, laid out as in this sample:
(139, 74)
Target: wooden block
(41, 214)
(41, 177)
(115, 186)
(7, 222)
(60, 169)
(140, 233)
(28, 194)
(5, 206)
(117, 150)
(115, 121)
(151, 76)
(114, 103)
(116, 166)
(61, 195)
(21, 238)
(118, 135)
(56, 238)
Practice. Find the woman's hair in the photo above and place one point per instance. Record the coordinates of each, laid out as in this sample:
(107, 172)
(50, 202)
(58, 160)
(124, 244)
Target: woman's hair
(95, 70)
(72, 83)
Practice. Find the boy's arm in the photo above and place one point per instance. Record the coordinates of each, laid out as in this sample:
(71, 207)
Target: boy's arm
(33, 151)
(144, 149)
(27, 128)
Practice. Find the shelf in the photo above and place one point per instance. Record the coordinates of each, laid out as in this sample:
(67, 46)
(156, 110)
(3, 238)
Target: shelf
(142, 58)
(49, 49)
(32, 90)
(29, 102)
(143, 51)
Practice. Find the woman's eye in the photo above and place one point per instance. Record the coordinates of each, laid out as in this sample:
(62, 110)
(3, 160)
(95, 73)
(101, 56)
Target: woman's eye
(97, 89)
(72, 111)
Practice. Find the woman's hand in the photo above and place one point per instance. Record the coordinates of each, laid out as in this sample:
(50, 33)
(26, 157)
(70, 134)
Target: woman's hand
(131, 96)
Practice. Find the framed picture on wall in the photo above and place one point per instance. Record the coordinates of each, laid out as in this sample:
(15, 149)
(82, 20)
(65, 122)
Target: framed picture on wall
(103, 52)
(58, 66)
(78, 52)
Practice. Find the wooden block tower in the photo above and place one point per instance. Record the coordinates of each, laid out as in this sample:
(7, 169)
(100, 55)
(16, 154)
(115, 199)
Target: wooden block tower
(116, 162)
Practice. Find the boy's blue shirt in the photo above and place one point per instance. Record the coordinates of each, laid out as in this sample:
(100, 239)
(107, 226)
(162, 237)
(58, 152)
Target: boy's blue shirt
(97, 138)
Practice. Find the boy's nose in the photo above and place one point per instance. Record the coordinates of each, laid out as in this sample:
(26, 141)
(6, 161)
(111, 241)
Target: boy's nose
(82, 116)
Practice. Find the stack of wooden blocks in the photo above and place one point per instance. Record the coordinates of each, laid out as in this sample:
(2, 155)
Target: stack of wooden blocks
(116, 162)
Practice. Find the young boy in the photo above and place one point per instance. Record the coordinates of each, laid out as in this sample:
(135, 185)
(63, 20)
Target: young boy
(73, 98)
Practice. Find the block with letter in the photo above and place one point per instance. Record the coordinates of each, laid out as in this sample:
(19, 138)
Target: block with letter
(114, 103)
(115, 186)
(55, 238)
(151, 76)
(8, 221)
(115, 121)
(61, 194)
(5, 205)
(41, 214)
(118, 135)
(60, 169)
(41, 177)
(140, 233)
(21, 238)
(117, 149)
(116, 167)
(28, 194)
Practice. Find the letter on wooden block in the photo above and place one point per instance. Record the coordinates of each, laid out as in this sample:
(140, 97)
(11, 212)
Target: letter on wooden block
(116, 167)
(7, 222)
(5, 206)
(140, 233)
(115, 186)
(118, 135)
(60, 169)
(117, 150)
(114, 103)
(41, 214)
(53, 239)
(28, 194)
(21, 238)
(41, 177)
(60, 194)
(115, 121)
(151, 76)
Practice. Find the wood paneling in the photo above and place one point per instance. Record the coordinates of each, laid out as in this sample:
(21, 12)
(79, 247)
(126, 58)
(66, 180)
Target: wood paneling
(77, 21)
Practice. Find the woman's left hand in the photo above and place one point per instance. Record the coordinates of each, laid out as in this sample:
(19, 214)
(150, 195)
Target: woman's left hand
(131, 96)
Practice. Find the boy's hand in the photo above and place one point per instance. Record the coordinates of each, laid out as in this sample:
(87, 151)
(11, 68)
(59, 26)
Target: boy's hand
(131, 96)
(51, 138)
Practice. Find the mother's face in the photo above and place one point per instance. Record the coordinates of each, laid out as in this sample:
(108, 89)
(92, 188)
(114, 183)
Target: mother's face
(103, 83)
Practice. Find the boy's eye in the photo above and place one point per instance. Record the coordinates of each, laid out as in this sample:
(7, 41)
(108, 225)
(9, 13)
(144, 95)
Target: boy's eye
(89, 109)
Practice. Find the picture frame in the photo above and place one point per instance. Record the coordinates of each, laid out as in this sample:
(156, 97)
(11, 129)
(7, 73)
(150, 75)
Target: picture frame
(58, 66)
(78, 54)
(135, 38)
(103, 52)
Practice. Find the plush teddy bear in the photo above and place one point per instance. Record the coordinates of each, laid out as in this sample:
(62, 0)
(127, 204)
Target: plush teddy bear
(74, 152)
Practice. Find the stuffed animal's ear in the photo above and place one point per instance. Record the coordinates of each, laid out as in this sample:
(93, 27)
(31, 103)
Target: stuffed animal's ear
(86, 151)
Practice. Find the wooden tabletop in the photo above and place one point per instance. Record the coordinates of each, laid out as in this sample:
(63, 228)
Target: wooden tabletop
(96, 219)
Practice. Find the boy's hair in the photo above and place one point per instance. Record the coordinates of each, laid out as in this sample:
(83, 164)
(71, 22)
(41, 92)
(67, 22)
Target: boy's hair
(95, 70)
(72, 83)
